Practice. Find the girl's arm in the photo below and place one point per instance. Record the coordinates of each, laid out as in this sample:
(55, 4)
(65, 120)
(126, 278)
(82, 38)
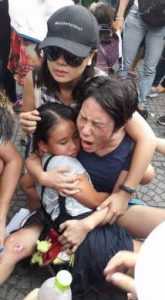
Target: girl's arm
(9, 180)
(29, 115)
(87, 195)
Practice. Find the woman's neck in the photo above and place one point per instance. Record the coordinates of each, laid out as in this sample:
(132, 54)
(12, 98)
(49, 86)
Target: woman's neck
(65, 92)
(113, 143)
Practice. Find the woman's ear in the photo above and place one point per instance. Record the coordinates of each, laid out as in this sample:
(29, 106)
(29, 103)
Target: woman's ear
(42, 147)
(92, 54)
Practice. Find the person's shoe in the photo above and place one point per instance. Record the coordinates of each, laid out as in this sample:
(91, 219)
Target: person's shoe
(142, 111)
(161, 120)
(153, 92)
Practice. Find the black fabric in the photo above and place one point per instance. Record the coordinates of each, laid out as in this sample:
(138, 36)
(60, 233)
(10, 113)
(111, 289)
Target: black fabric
(92, 256)
(152, 12)
(6, 77)
(94, 252)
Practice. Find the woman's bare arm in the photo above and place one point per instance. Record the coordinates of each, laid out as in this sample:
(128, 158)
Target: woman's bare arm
(145, 142)
(29, 115)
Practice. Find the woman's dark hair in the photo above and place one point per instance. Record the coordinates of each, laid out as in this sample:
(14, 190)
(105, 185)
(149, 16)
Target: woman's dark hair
(104, 13)
(119, 98)
(50, 114)
(45, 77)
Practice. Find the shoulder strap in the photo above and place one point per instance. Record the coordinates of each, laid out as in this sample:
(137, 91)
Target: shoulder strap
(45, 168)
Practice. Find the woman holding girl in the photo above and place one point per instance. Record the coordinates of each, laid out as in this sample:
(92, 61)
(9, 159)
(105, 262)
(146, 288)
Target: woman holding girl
(69, 58)
(56, 134)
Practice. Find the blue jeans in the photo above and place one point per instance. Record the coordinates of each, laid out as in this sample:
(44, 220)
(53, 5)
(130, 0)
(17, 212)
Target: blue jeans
(134, 32)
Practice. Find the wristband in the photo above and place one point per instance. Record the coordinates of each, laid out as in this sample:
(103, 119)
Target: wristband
(119, 18)
(127, 189)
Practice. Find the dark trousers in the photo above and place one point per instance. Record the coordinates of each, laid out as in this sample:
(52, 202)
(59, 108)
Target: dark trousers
(6, 78)
(160, 71)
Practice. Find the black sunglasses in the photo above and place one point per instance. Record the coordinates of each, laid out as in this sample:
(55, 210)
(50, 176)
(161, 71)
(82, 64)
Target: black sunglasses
(53, 53)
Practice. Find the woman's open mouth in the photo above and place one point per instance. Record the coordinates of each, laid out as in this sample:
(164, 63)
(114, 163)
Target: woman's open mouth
(86, 145)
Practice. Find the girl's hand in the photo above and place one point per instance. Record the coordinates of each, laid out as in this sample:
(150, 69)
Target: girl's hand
(73, 234)
(28, 121)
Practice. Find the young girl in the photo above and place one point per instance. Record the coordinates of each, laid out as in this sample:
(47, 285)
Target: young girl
(10, 164)
(56, 134)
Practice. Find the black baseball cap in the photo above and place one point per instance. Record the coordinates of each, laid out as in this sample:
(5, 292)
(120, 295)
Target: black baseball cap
(74, 29)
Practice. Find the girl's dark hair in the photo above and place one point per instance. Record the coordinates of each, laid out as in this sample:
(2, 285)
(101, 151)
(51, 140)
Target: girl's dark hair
(119, 98)
(6, 118)
(104, 13)
(50, 114)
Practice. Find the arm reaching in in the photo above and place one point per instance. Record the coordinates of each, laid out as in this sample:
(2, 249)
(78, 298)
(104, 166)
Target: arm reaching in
(119, 21)
(9, 180)
(29, 115)
(75, 231)
(53, 178)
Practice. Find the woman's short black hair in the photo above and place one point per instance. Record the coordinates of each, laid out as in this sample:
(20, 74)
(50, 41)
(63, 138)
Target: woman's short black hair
(119, 98)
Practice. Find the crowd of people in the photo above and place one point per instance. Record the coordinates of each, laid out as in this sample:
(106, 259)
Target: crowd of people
(87, 136)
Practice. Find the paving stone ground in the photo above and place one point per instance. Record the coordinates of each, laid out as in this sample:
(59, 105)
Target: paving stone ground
(25, 278)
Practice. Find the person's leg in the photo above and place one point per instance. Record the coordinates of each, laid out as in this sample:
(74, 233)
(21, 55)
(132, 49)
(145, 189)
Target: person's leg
(133, 34)
(160, 145)
(160, 70)
(155, 43)
(17, 246)
(141, 220)
(29, 187)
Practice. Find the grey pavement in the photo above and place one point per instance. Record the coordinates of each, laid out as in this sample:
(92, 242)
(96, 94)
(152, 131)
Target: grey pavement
(24, 277)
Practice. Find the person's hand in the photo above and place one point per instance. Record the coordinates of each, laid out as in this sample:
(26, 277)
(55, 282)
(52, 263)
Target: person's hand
(55, 178)
(117, 204)
(118, 25)
(28, 120)
(120, 270)
(73, 234)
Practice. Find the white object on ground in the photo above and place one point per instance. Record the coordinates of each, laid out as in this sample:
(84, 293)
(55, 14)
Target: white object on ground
(150, 266)
(16, 221)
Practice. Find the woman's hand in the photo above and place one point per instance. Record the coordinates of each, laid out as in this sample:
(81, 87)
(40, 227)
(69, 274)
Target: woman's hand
(117, 204)
(28, 120)
(55, 178)
(73, 234)
(118, 24)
